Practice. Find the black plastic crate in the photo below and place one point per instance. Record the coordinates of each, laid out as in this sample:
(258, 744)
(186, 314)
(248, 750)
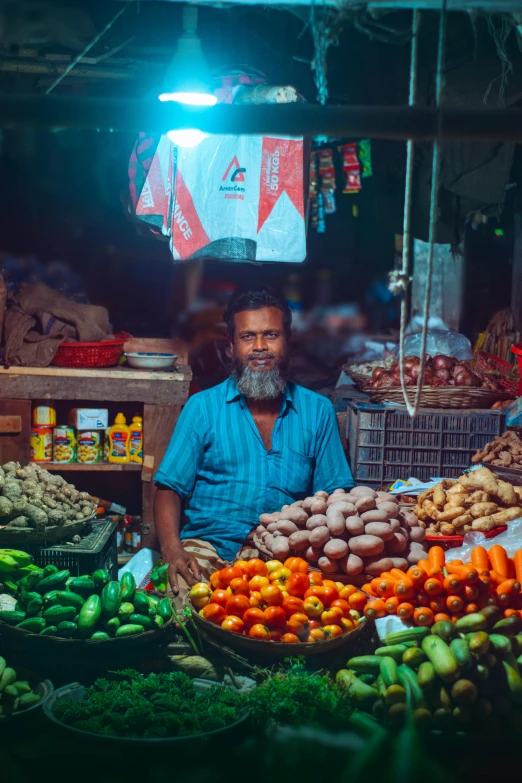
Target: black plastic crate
(97, 550)
(385, 444)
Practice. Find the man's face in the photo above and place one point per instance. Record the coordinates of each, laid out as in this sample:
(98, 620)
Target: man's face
(260, 352)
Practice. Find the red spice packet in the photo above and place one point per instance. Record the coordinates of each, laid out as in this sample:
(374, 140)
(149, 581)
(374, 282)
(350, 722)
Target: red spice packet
(351, 168)
(327, 172)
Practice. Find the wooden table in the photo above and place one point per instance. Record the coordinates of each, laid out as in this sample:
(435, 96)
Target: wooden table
(162, 393)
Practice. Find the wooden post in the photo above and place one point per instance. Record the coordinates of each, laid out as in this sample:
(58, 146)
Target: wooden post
(516, 288)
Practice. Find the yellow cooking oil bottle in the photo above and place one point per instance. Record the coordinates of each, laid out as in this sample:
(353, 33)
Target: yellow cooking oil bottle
(136, 440)
(119, 440)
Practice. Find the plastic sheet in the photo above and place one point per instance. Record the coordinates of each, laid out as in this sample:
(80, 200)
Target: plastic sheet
(440, 342)
(510, 539)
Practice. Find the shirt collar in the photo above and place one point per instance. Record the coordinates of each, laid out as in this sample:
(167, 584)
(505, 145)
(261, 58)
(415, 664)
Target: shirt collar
(233, 395)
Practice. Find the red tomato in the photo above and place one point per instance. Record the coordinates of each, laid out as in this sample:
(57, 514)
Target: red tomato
(317, 635)
(239, 586)
(343, 605)
(331, 631)
(318, 591)
(272, 595)
(237, 605)
(276, 634)
(316, 578)
(228, 574)
(243, 566)
(220, 597)
(297, 565)
(214, 613)
(313, 624)
(234, 624)
(255, 598)
(253, 617)
(313, 606)
(290, 638)
(329, 583)
(257, 582)
(298, 624)
(292, 604)
(256, 566)
(358, 600)
(332, 616)
(275, 617)
(259, 632)
(280, 576)
(298, 584)
(331, 593)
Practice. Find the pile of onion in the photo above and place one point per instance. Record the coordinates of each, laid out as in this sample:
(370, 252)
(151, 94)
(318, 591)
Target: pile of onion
(439, 371)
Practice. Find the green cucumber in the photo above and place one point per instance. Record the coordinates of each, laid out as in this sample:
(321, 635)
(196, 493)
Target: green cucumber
(426, 676)
(112, 625)
(128, 586)
(67, 629)
(49, 570)
(34, 607)
(501, 644)
(51, 630)
(365, 664)
(68, 598)
(30, 581)
(440, 655)
(11, 618)
(478, 642)
(516, 641)
(445, 629)
(83, 585)
(471, 623)
(99, 635)
(129, 630)
(461, 653)
(408, 635)
(388, 671)
(110, 599)
(492, 615)
(51, 597)
(56, 614)
(140, 619)
(89, 615)
(369, 679)
(54, 582)
(26, 597)
(33, 624)
(28, 699)
(509, 626)
(513, 683)
(101, 578)
(141, 602)
(164, 609)
(413, 657)
(22, 686)
(125, 611)
(7, 678)
(394, 651)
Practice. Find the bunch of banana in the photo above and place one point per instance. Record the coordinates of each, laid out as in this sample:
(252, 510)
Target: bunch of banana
(11, 560)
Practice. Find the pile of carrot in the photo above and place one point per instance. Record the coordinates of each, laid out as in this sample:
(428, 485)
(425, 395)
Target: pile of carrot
(434, 590)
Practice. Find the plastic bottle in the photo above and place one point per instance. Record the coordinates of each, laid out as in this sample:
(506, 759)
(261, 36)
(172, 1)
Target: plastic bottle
(136, 440)
(119, 439)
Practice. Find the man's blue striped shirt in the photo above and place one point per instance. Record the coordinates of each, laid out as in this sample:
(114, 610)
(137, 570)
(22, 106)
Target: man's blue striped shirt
(216, 460)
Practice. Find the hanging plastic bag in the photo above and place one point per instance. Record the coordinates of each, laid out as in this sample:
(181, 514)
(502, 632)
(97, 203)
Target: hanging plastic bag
(440, 342)
(510, 539)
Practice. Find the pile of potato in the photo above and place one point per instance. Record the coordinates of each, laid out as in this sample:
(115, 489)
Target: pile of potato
(31, 497)
(476, 501)
(355, 532)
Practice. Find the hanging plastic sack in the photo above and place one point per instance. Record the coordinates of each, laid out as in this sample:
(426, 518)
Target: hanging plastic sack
(440, 342)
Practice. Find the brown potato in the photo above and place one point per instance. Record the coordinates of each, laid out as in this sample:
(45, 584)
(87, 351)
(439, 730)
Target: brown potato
(395, 525)
(366, 546)
(268, 542)
(337, 499)
(366, 503)
(335, 522)
(478, 510)
(300, 540)
(281, 547)
(397, 544)
(354, 526)
(318, 506)
(409, 518)
(414, 556)
(392, 509)
(272, 527)
(347, 509)
(417, 534)
(374, 516)
(400, 562)
(321, 494)
(385, 497)
(286, 527)
(376, 565)
(380, 529)
(308, 502)
(318, 520)
(313, 554)
(327, 565)
(352, 565)
(296, 515)
(319, 536)
(335, 549)
(267, 519)
(361, 491)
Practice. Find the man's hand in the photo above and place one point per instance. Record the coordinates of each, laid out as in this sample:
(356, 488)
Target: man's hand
(182, 563)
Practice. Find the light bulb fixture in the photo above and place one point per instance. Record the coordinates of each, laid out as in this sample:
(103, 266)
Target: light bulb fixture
(188, 78)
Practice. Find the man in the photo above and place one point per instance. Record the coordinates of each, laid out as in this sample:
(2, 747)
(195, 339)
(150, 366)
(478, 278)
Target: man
(245, 447)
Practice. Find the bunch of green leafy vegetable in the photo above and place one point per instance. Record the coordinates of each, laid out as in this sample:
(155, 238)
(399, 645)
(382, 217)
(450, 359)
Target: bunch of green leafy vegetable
(294, 697)
(128, 704)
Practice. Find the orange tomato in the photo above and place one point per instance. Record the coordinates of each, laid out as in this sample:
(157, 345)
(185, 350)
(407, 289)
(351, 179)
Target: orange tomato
(200, 595)
(358, 600)
(259, 631)
(226, 575)
(331, 631)
(252, 617)
(271, 594)
(318, 591)
(296, 565)
(239, 586)
(313, 606)
(257, 582)
(237, 605)
(243, 566)
(347, 591)
(280, 576)
(298, 584)
(275, 617)
(272, 565)
(256, 567)
(343, 605)
(347, 625)
(331, 593)
(316, 578)
(313, 624)
(298, 624)
(355, 615)
(214, 613)
(276, 634)
(292, 604)
(220, 597)
(329, 583)
(233, 623)
(255, 598)
(215, 580)
(339, 586)
(290, 638)
(332, 616)
(317, 635)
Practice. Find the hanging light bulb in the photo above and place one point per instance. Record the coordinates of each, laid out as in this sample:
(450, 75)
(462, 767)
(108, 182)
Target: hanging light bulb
(188, 77)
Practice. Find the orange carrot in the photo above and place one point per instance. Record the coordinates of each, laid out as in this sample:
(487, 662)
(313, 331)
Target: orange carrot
(382, 587)
(417, 576)
(405, 611)
(509, 588)
(436, 573)
(422, 599)
(456, 562)
(423, 616)
(471, 608)
(437, 604)
(453, 583)
(404, 590)
(499, 560)
(367, 588)
(487, 600)
(436, 557)
(510, 612)
(512, 571)
(480, 559)
(484, 583)
(454, 603)
(433, 586)
(468, 573)
(397, 574)
(375, 609)
(471, 592)
(442, 616)
(391, 604)
(423, 564)
(517, 559)
(496, 578)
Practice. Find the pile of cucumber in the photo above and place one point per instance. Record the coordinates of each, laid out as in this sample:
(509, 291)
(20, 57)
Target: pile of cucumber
(451, 676)
(52, 603)
(15, 694)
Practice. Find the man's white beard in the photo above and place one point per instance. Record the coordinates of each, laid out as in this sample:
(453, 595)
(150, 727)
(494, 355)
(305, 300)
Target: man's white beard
(261, 384)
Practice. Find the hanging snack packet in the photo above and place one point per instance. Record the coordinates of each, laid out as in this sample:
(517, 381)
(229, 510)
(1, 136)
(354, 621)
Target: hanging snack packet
(364, 149)
(321, 222)
(351, 168)
(327, 172)
(312, 185)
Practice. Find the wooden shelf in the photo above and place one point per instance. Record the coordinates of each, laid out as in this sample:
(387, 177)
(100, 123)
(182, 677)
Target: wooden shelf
(103, 466)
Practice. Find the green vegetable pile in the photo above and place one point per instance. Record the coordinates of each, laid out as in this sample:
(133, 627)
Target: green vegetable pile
(52, 603)
(160, 705)
(15, 694)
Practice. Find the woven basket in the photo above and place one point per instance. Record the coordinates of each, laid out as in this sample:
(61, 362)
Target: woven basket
(106, 353)
(358, 378)
(26, 537)
(506, 373)
(444, 397)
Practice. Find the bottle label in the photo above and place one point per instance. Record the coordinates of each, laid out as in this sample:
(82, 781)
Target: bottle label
(136, 540)
(119, 444)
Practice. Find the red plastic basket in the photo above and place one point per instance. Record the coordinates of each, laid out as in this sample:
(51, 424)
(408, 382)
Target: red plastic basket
(517, 350)
(449, 542)
(488, 362)
(102, 354)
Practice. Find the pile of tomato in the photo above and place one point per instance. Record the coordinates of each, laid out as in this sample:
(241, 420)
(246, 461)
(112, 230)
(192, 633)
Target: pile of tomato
(279, 602)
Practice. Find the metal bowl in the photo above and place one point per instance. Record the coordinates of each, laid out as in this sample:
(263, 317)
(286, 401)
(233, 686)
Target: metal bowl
(44, 688)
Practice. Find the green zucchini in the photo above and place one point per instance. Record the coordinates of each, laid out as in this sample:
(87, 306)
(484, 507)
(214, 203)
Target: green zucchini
(409, 681)
(369, 679)
(51, 598)
(388, 671)
(408, 635)
(99, 635)
(394, 651)
(129, 629)
(413, 657)
(101, 578)
(11, 618)
(141, 602)
(501, 644)
(128, 586)
(49, 570)
(112, 625)
(364, 724)
(471, 623)
(83, 585)
(462, 653)
(51, 630)
(365, 664)
(445, 629)
(89, 616)
(110, 599)
(513, 683)
(56, 614)
(67, 629)
(141, 619)
(30, 580)
(26, 597)
(510, 626)
(33, 624)
(440, 655)
(34, 607)
(54, 582)
(125, 611)
(68, 598)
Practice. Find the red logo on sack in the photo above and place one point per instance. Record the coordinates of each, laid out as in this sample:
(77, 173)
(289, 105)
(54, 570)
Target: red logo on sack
(238, 174)
(281, 170)
(188, 234)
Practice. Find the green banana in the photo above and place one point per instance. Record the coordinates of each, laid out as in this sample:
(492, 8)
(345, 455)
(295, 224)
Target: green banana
(8, 564)
(22, 558)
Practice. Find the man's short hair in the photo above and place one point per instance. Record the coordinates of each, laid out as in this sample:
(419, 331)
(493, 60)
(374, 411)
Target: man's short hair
(256, 299)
